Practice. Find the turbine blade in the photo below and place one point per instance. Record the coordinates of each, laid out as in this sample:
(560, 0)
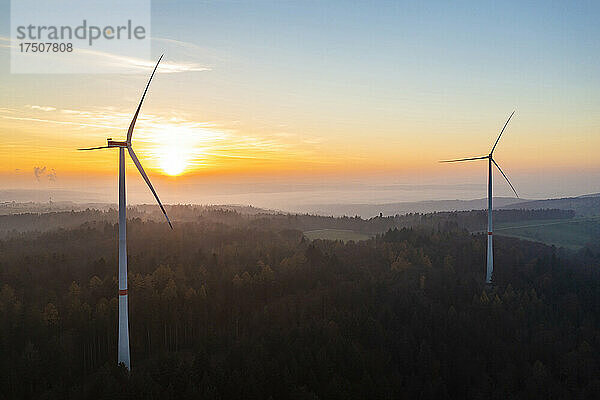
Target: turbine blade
(505, 177)
(143, 173)
(501, 132)
(132, 125)
(95, 148)
(465, 159)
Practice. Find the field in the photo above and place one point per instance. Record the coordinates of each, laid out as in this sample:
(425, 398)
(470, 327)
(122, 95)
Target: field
(568, 233)
(336, 234)
(572, 234)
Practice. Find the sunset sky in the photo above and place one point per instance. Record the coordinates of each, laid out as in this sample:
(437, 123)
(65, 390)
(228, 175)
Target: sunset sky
(280, 96)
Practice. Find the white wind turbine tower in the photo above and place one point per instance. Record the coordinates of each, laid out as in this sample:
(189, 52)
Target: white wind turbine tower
(123, 315)
(490, 253)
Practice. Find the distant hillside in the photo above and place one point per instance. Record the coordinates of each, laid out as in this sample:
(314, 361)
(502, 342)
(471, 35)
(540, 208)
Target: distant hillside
(371, 210)
(16, 218)
(13, 207)
(53, 195)
(586, 205)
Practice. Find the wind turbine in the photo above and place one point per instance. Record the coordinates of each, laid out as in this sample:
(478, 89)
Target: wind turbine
(489, 157)
(123, 315)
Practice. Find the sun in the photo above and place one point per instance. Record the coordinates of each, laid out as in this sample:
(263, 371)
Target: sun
(177, 147)
(173, 162)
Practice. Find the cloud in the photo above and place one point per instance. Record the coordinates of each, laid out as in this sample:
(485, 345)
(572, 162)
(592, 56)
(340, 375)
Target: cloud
(176, 137)
(49, 121)
(127, 64)
(41, 108)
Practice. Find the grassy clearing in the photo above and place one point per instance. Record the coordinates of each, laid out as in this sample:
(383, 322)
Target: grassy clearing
(336, 234)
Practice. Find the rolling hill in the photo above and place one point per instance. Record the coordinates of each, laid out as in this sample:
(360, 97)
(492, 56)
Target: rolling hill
(586, 205)
(371, 210)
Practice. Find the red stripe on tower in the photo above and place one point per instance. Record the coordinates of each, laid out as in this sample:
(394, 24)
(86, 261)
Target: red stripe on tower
(122, 292)
(489, 233)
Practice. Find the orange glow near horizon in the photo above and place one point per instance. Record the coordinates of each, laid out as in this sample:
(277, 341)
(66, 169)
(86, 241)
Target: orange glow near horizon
(178, 145)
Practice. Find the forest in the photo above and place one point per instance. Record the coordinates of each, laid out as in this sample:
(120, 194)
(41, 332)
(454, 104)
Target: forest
(16, 223)
(231, 305)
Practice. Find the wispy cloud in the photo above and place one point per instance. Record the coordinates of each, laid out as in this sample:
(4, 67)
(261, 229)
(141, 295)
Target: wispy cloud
(50, 121)
(163, 137)
(133, 64)
(177, 137)
(41, 108)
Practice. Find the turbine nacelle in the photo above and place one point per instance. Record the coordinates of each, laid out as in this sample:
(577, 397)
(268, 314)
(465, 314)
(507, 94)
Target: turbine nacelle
(115, 143)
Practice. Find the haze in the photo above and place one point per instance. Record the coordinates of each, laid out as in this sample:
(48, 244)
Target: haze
(279, 104)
